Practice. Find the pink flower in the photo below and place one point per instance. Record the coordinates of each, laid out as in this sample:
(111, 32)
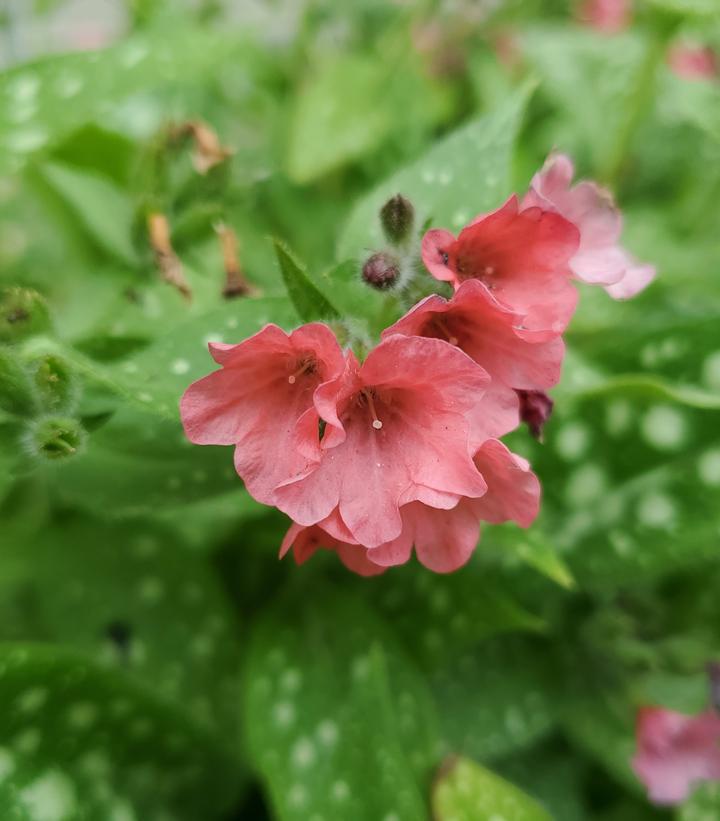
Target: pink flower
(520, 255)
(693, 62)
(675, 752)
(261, 400)
(493, 335)
(600, 260)
(444, 540)
(397, 431)
(306, 541)
(607, 16)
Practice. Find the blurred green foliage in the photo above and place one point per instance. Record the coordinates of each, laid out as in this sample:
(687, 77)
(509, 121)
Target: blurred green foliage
(156, 661)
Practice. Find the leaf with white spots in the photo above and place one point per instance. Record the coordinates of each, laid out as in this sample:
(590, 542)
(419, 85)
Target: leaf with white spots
(153, 467)
(422, 607)
(42, 102)
(155, 379)
(80, 741)
(465, 791)
(635, 488)
(496, 698)
(339, 723)
(461, 176)
(130, 596)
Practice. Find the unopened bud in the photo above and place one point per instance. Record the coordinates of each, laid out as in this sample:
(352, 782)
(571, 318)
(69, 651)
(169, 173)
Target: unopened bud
(397, 217)
(23, 312)
(381, 271)
(55, 437)
(16, 389)
(55, 384)
(535, 410)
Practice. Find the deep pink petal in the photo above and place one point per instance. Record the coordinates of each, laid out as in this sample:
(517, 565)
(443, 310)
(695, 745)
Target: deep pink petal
(493, 335)
(444, 539)
(422, 391)
(513, 489)
(435, 245)
(306, 541)
(261, 400)
(399, 550)
(495, 414)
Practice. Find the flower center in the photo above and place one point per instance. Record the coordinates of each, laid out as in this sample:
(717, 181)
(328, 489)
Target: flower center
(439, 326)
(306, 365)
(369, 396)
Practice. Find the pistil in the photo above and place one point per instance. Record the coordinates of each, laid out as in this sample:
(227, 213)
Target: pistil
(377, 424)
(304, 368)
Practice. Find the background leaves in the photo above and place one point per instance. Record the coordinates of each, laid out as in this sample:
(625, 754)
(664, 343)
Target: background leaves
(156, 660)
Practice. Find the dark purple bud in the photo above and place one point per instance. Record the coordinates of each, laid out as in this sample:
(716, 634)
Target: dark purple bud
(535, 410)
(381, 271)
(397, 217)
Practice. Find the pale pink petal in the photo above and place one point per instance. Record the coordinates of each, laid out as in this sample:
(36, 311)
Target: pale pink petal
(675, 752)
(600, 259)
(636, 278)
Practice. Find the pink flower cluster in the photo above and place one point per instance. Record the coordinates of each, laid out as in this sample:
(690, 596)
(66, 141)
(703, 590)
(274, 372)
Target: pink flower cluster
(401, 451)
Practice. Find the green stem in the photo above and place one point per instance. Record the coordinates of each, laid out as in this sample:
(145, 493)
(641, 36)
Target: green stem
(638, 103)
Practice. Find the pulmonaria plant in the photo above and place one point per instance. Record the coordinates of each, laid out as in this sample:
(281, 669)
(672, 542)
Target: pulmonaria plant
(401, 450)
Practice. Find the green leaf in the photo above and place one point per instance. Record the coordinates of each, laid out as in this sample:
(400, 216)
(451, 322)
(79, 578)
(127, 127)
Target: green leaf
(702, 805)
(496, 698)
(637, 487)
(687, 8)
(340, 114)
(46, 100)
(603, 728)
(532, 547)
(571, 60)
(154, 380)
(420, 607)
(309, 303)
(131, 596)
(82, 741)
(465, 791)
(331, 706)
(153, 467)
(462, 175)
(103, 209)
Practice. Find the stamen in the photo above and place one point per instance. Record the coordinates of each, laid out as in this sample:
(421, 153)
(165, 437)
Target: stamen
(440, 323)
(306, 366)
(377, 424)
